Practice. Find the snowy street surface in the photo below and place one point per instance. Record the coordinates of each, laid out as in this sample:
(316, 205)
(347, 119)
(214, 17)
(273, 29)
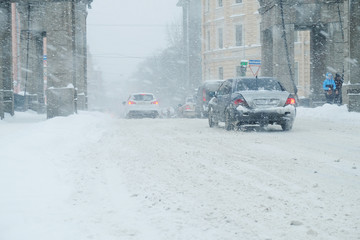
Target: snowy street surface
(97, 176)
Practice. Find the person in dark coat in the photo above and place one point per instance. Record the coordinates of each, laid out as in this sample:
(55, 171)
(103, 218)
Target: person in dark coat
(338, 93)
(329, 87)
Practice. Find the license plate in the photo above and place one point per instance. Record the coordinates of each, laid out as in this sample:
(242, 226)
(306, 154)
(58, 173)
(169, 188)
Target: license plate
(272, 101)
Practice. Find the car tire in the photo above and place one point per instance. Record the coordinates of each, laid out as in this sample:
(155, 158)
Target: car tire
(228, 121)
(205, 114)
(213, 122)
(287, 125)
(155, 115)
(198, 114)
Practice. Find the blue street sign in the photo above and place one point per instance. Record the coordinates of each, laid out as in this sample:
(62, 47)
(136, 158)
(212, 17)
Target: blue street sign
(254, 62)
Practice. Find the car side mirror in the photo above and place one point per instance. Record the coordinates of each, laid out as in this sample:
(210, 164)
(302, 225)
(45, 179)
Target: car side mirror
(212, 94)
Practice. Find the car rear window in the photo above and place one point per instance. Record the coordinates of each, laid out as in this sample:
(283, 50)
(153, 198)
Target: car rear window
(189, 100)
(213, 86)
(143, 97)
(254, 84)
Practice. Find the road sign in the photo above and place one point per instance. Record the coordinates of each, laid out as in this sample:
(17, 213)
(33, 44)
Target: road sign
(254, 62)
(244, 62)
(255, 66)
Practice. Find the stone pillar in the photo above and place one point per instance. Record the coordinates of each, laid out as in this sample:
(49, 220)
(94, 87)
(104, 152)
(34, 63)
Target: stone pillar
(267, 52)
(31, 45)
(276, 55)
(318, 69)
(281, 60)
(59, 44)
(6, 83)
(354, 42)
(351, 87)
(80, 56)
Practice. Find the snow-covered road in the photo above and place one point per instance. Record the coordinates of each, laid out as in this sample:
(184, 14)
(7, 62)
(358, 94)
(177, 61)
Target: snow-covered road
(92, 176)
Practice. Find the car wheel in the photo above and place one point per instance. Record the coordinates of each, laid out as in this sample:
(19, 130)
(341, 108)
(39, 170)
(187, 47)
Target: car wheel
(198, 114)
(228, 122)
(212, 118)
(155, 115)
(263, 126)
(205, 114)
(287, 125)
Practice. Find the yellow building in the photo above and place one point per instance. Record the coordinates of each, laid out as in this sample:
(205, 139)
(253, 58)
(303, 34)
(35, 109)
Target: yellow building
(231, 34)
(302, 62)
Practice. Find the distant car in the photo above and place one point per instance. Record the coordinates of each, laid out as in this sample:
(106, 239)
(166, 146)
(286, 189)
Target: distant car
(252, 101)
(204, 94)
(188, 108)
(142, 105)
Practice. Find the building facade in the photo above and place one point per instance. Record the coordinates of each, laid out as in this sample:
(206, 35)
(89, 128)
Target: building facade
(43, 46)
(231, 35)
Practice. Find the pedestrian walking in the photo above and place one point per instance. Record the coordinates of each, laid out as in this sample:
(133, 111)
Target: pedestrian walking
(339, 80)
(329, 88)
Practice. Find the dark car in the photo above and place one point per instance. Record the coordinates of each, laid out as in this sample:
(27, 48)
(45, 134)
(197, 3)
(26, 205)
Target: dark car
(204, 94)
(252, 101)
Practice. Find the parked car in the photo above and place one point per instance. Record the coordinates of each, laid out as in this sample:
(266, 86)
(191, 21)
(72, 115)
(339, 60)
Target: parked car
(188, 108)
(254, 101)
(204, 94)
(142, 105)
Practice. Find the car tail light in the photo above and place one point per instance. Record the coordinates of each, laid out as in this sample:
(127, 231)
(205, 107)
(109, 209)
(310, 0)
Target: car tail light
(155, 102)
(131, 102)
(290, 101)
(187, 107)
(204, 95)
(240, 101)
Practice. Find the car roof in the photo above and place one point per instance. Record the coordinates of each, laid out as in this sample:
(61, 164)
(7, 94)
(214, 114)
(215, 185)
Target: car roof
(142, 93)
(213, 81)
(240, 78)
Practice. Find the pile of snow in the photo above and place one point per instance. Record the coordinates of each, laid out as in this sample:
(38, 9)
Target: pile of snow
(328, 112)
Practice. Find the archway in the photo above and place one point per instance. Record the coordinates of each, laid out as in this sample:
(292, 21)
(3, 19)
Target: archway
(329, 47)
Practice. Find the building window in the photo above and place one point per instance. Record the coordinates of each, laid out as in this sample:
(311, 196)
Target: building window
(238, 1)
(208, 40)
(207, 5)
(220, 3)
(220, 38)
(221, 73)
(239, 35)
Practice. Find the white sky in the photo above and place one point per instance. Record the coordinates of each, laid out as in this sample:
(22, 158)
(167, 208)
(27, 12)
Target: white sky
(122, 33)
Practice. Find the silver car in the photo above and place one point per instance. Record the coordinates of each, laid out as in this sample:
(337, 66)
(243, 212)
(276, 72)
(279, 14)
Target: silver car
(252, 101)
(141, 105)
